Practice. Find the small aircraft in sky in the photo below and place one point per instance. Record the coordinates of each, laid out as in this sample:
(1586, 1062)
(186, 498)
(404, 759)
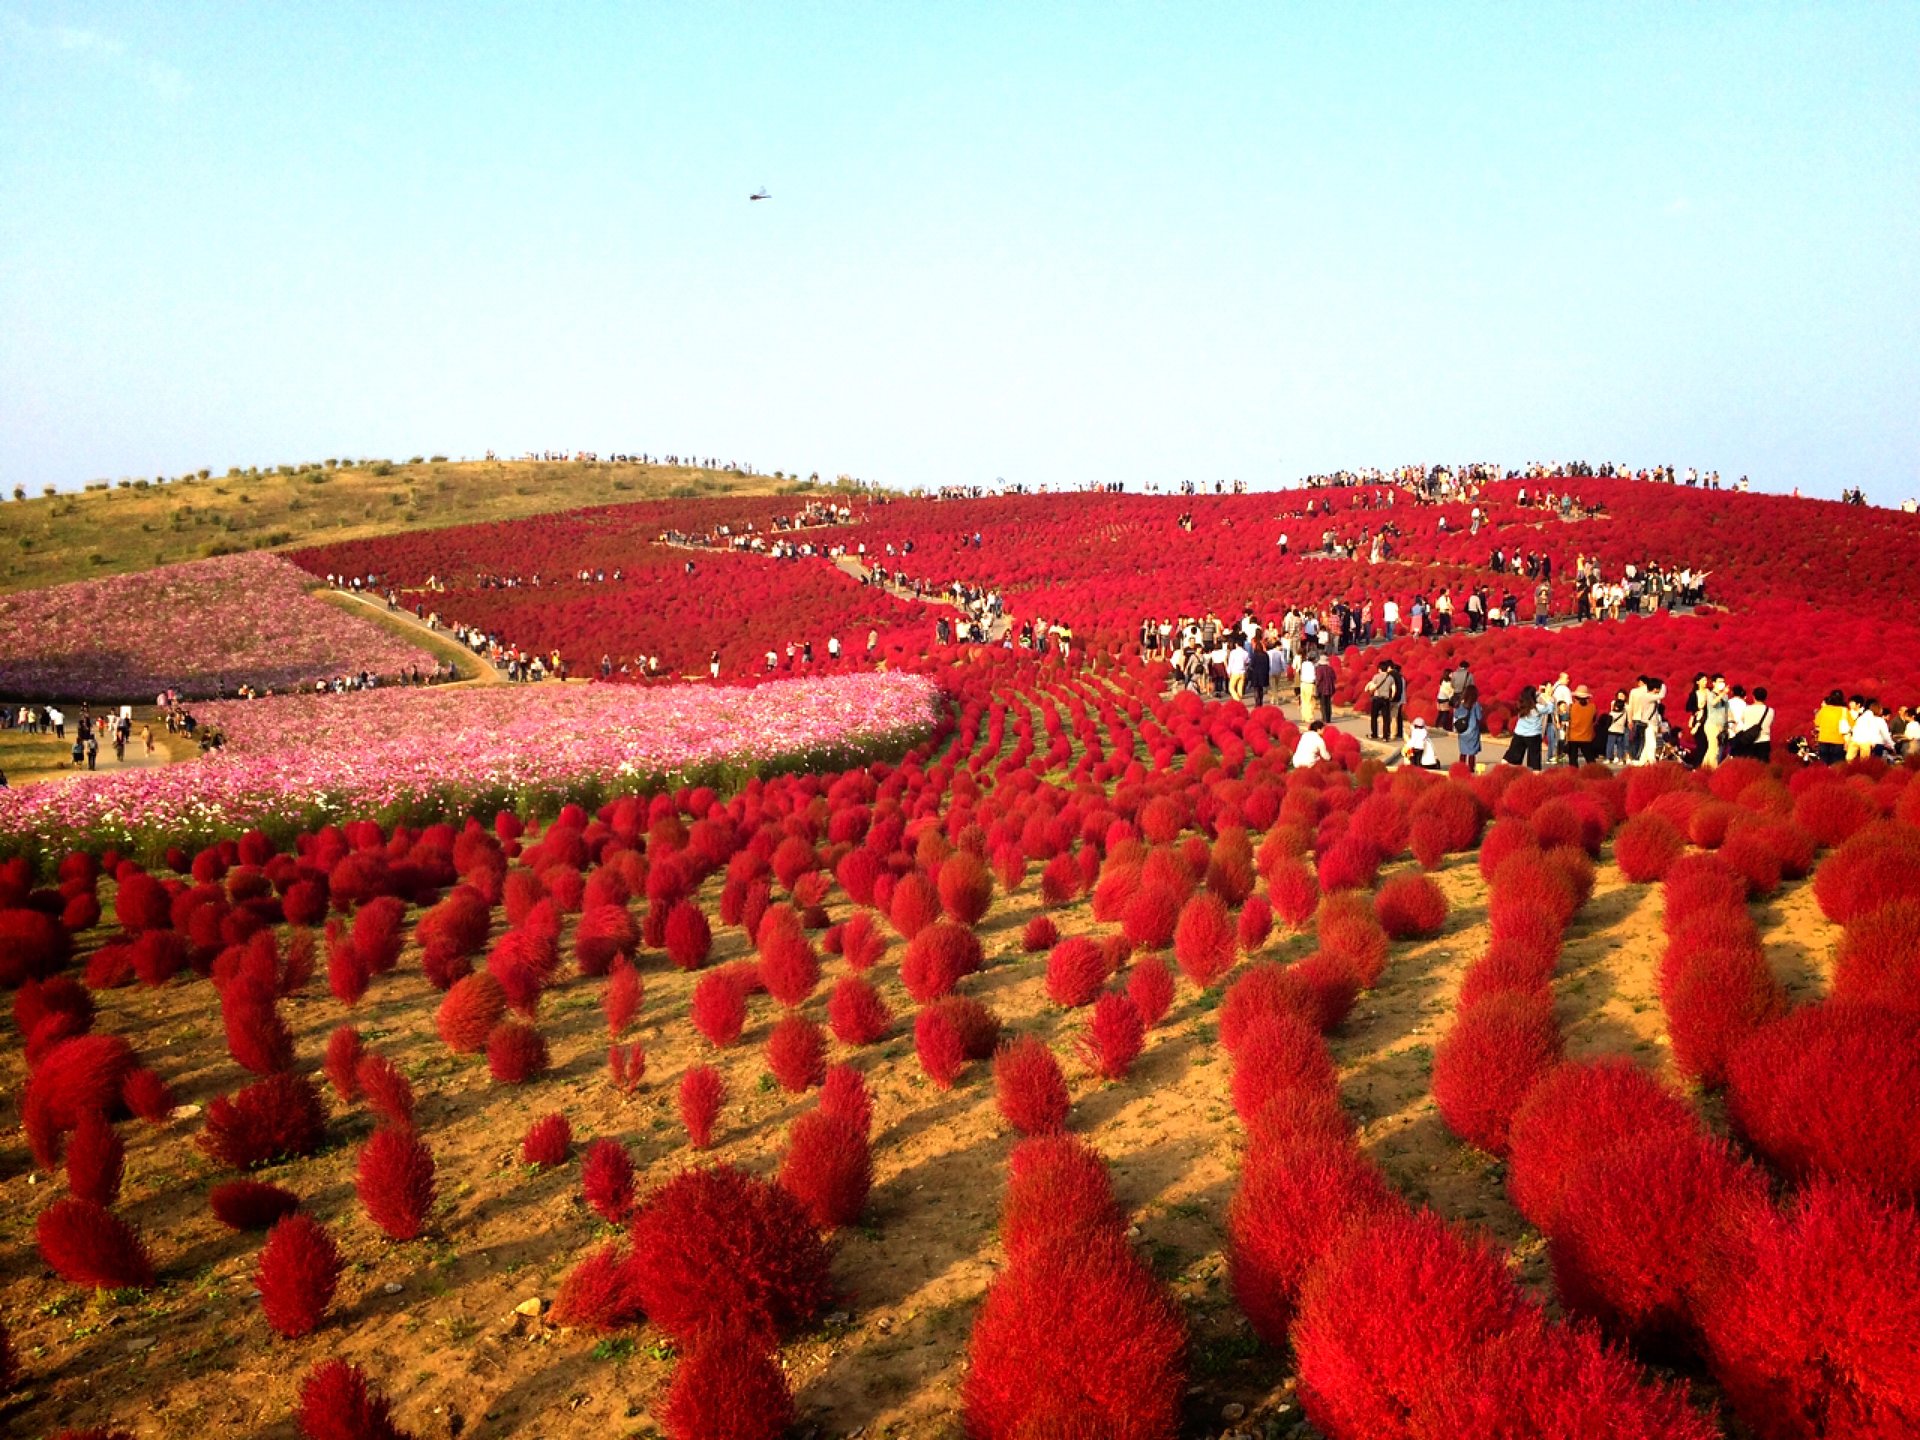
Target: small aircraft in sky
(761, 194)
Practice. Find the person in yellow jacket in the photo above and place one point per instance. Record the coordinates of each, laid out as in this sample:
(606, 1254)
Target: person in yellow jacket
(1830, 728)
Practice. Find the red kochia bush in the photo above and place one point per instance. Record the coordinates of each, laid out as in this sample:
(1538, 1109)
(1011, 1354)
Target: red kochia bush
(727, 1387)
(1490, 1060)
(1642, 1222)
(547, 1143)
(297, 1274)
(75, 1077)
(1076, 970)
(32, 946)
(1058, 1191)
(1279, 1054)
(1039, 934)
(1879, 957)
(1059, 881)
(395, 1182)
(1077, 1340)
(343, 1060)
(700, 1095)
(87, 1244)
(598, 1293)
(607, 1181)
(604, 934)
(1575, 1111)
(938, 958)
(1153, 914)
(689, 936)
(856, 1012)
(828, 1169)
(336, 1403)
(1296, 1198)
(1115, 1038)
(797, 1054)
(719, 1007)
(1828, 1090)
(1346, 928)
(1204, 943)
(469, 1012)
(142, 903)
(914, 906)
(718, 1244)
(516, 1053)
(280, 1115)
(1150, 987)
(389, 1096)
(95, 1159)
(789, 967)
(1386, 1317)
(1410, 907)
(1718, 999)
(1028, 1086)
(845, 1094)
(1540, 1379)
(251, 1204)
(1812, 1333)
(966, 887)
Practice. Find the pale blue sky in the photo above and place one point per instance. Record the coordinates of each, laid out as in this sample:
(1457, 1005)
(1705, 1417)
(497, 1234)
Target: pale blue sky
(1050, 243)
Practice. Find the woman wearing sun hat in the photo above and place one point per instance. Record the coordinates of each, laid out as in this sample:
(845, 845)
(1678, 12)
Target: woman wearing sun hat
(1582, 716)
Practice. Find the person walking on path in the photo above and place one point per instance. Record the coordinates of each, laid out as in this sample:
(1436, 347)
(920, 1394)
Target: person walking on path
(1582, 717)
(1380, 702)
(1468, 722)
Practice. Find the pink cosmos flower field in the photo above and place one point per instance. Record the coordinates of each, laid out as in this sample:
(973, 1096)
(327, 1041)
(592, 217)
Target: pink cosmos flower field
(200, 628)
(406, 752)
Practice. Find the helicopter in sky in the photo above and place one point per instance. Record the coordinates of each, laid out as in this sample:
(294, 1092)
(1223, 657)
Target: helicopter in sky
(761, 194)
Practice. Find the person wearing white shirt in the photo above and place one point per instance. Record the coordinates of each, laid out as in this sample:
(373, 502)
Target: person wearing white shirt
(1237, 671)
(1390, 616)
(1307, 671)
(1871, 734)
(1419, 749)
(1312, 748)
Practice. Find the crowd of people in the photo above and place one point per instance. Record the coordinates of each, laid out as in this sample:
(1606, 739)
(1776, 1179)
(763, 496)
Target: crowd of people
(93, 730)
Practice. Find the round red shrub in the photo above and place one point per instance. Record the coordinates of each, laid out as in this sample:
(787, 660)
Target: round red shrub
(1039, 934)
(1295, 1200)
(797, 1054)
(297, 1274)
(1278, 1054)
(966, 887)
(279, 1116)
(1490, 1060)
(938, 958)
(516, 1053)
(1410, 906)
(1827, 1090)
(1204, 943)
(914, 906)
(1576, 1110)
(95, 1160)
(547, 1143)
(1150, 987)
(1028, 1086)
(699, 1098)
(394, 1179)
(727, 1387)
(1079, 1340)
(717, 1245)
(1346, 928)
(1813, 1332)
(1718, 998)
(1642, 1222)
(1076, 971)
(251, 1204)
(790, 968)
(828, 1169)
(1832, 811)
(718, 1008)
(1058, 1192)
(1114, 1038)
(32, 946)
(86, 1244)
(606, 1180)
(1059, 881)
(469, 1012)
(1385, 1318)
(1152, 914)
(689, 936)
(1878, 865)
(336, 1403)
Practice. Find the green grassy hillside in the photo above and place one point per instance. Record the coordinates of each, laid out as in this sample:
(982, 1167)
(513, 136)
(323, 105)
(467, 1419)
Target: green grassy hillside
(135, 525)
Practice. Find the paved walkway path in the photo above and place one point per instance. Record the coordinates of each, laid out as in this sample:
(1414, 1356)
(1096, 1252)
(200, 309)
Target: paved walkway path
(852, 565)
(486, 673)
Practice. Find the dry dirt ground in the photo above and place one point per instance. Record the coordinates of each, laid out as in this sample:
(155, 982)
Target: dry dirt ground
(433, 1320)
